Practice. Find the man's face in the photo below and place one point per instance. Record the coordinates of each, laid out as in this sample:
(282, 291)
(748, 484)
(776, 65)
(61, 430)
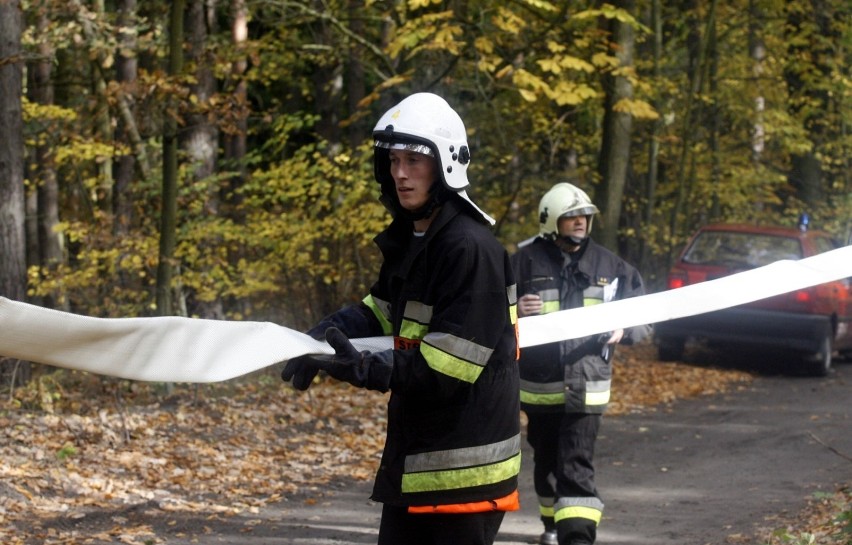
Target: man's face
(576, 226)
(413, 174)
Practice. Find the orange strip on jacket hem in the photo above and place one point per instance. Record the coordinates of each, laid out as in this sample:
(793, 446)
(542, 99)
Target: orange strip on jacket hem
(506, 503)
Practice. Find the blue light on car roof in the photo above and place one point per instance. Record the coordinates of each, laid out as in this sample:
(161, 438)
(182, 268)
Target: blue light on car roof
(804, 221)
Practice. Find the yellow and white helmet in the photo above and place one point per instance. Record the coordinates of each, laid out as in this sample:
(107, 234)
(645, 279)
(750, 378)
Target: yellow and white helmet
(563, 200)
(425, 123)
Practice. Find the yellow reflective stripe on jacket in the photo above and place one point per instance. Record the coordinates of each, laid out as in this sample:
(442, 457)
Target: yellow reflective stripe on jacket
(512, 296)
(586, 508)
(549, 300)
(415, 320)
(412, 330)
(593, 295)
(537, 393)
(462, 468)
(454, 356)
(597, 392)
(381, 309)
(549, 306)
(451, 479)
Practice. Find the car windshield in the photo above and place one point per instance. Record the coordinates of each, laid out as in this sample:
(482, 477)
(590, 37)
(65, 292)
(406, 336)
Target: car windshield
(730, 248)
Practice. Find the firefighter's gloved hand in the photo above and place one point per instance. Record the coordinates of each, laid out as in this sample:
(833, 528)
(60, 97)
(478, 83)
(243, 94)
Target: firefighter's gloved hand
(361, 369)
(301, 371)
(302, 376)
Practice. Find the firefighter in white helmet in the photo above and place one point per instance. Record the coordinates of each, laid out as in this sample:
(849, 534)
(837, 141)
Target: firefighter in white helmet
(565, 386)
(447, 295)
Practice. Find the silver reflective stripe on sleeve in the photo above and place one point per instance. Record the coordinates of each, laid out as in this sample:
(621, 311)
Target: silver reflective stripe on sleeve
(512, 294)
(454, 356)
(415, 320)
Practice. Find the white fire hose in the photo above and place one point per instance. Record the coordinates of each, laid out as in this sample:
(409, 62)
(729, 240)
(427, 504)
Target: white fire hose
(174, 349)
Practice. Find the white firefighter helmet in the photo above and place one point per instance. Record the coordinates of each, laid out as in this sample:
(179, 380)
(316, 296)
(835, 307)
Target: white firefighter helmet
(425, 123)
(563, 200)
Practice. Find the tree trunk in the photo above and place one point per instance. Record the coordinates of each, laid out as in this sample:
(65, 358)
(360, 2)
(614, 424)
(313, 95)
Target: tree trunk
(13, 272)
(757, 51)
(355, 84)
(617, 130)
(50, 243)
(809, 54)
(127, 69)
(715, 129)
(654, 137)
(690, 118)
(235, 140)
(168, 209)
(200, 138)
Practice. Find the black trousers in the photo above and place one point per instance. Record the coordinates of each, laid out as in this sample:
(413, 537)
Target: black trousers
(563, 457)
(399, 527)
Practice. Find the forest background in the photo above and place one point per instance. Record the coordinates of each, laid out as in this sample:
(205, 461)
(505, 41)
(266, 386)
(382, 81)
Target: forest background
(213, 158)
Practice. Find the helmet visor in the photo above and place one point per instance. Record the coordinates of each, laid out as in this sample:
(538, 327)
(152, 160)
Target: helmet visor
(583, 211)
(406, 146)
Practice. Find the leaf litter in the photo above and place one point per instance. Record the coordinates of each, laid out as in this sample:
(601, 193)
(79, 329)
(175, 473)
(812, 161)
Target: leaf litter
(75, 445)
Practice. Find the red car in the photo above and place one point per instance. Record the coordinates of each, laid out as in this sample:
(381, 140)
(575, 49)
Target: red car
(813, 323)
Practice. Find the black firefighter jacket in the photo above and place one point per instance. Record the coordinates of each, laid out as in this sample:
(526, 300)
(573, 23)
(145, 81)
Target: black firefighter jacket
(449, 299)
(572, 375)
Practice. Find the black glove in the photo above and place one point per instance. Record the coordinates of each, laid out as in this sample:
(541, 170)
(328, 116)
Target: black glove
(305, 377)
(361, 369)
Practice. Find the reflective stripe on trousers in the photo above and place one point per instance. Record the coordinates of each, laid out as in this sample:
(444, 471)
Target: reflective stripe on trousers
(585, 508)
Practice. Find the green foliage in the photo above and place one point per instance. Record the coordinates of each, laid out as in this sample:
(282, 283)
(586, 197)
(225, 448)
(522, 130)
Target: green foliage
(67, 451)
(312, 219)
(291, 239)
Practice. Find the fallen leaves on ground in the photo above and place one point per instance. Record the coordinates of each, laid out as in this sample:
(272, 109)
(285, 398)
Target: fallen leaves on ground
(72, 443)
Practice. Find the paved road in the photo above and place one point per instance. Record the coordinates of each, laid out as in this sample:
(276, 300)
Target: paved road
(692, 474)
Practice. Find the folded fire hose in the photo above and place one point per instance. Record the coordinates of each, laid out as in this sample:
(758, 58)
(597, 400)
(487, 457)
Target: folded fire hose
(174, 349)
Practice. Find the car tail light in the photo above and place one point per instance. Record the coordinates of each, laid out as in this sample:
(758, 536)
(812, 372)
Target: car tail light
(802, 296)
(676, 282)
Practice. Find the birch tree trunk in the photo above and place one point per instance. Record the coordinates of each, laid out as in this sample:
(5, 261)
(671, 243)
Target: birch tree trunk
(235, 140)
(200, 138)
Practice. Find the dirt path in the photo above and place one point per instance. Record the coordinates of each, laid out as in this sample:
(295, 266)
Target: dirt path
(706, 471)
(717, 470)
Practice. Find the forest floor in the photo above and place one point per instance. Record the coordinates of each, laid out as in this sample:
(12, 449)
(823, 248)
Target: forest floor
(73, 445)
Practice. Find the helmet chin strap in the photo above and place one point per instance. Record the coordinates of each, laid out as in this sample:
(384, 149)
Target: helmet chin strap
(571, 244)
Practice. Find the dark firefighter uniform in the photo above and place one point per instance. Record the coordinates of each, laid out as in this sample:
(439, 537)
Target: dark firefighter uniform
(565, 386)
(449, 299)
